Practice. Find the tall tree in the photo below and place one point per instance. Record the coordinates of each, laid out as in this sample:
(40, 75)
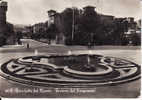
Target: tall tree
(51, 32)
(89, 24)
(71, 19)
(121, 26)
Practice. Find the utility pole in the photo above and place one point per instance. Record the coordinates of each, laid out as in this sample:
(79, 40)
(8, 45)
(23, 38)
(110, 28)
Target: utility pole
(73, 24)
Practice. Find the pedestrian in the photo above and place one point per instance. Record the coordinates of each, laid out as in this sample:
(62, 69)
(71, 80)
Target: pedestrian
(28, 46)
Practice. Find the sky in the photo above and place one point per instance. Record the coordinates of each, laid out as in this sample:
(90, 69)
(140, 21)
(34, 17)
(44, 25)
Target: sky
(29, 12)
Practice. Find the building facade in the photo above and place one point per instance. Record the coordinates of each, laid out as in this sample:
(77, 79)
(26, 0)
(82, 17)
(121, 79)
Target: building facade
(6, 29)
(56, 19)
(40, 27)
(3, 10)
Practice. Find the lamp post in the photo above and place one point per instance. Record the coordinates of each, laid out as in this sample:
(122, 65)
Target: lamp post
(73, 25)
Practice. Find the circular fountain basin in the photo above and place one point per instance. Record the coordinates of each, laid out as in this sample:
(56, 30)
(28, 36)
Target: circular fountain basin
(70, 70)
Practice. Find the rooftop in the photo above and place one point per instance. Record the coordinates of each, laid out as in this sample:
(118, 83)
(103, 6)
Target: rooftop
(89, 7)
(3, 3)
(50, 11)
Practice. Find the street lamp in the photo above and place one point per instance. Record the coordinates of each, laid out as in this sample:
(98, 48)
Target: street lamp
(73, 24)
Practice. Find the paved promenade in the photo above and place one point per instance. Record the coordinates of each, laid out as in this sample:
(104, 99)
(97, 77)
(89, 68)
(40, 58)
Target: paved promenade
(123, 90)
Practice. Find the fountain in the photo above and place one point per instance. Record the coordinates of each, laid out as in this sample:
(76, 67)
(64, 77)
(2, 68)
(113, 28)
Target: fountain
(36, 52)
(88, 65)
(88, 57)
(69, 52)
(35, 58)
(71, 69)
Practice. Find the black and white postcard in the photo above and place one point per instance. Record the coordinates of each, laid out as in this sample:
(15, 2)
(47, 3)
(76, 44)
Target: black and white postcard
(70, 48)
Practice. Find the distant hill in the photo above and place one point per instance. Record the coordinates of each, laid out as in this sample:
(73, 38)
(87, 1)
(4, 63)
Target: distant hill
(19, 26)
